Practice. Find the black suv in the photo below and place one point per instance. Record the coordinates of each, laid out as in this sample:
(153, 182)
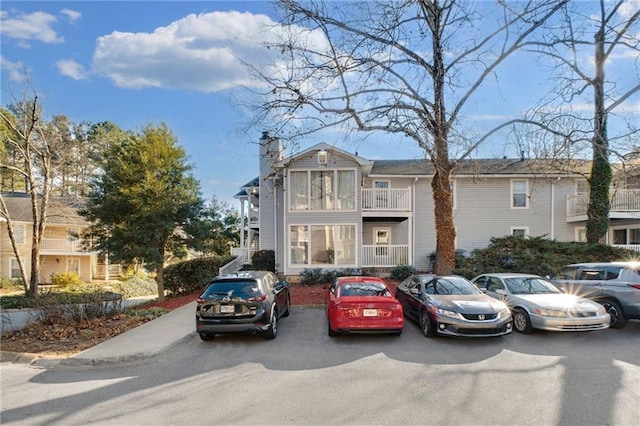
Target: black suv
(615, 285)
(243, 302)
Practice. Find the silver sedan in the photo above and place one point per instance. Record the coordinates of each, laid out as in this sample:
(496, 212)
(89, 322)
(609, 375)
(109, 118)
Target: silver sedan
(538, 304)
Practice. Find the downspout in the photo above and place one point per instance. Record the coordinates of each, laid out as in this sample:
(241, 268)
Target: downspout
(413, 221)
(275, 220)
(553, 215)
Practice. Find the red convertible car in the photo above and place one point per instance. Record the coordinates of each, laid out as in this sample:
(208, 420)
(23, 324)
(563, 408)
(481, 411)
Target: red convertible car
(362, 305)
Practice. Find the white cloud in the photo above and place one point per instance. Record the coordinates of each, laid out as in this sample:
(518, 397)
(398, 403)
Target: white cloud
(17, 71)
(71, 68)
(72, 15)
(31, 26)
(203, 53)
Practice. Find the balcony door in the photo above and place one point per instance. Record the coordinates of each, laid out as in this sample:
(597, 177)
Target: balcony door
(382, 240)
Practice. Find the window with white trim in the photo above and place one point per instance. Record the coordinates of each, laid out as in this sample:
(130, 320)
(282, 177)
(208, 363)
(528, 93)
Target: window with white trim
(322, 190)
(519, 194)
(15, 269)
(333, 245)
(581, 234)
(582, 187)
(20, 233)
(520, 231)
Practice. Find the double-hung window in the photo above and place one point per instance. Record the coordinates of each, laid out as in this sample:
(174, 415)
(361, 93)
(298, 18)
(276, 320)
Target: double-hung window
(519, 194)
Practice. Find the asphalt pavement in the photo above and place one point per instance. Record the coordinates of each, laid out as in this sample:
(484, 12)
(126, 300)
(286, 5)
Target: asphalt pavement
(147, 340)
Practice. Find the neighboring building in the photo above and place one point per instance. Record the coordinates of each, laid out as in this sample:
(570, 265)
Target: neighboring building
(61, 249)
(327, 208)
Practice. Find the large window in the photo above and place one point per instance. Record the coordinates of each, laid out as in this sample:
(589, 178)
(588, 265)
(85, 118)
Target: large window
(20, 233)
(323, 245)
(519, 190)
(322, 190)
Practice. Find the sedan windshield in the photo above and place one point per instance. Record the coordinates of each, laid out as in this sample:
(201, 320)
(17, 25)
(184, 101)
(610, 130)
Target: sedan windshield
(451, 285)
(363, 289)
(528, 285)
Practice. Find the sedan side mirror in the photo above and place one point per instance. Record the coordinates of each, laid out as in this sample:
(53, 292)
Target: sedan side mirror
(501, 291)
(414, 291)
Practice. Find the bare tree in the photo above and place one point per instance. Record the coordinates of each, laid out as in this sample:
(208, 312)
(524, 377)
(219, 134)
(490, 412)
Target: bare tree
(406, 68)
(34, 161)
(587, 38)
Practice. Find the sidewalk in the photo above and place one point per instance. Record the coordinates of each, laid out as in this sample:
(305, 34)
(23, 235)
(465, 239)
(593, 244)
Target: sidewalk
(147, 340)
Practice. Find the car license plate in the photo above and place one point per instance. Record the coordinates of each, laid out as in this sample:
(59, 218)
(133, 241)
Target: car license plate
(227, 309)
(370, 312)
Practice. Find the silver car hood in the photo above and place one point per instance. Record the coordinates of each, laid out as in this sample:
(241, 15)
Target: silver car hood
(558, 302)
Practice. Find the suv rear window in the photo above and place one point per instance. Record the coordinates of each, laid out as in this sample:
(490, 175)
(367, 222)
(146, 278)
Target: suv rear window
(604, 273)
(233, 288)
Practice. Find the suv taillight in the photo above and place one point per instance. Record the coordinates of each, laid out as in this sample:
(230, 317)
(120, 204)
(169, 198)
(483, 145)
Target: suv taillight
(636, 286)
(257, 298)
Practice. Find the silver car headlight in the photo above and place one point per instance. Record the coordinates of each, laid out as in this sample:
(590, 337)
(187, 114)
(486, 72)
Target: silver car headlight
(504, 313)
(448, 313)
(551, 313)
(602, 310)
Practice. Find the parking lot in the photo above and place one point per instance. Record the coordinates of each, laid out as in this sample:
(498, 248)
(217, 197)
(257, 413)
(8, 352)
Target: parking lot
(306, 377)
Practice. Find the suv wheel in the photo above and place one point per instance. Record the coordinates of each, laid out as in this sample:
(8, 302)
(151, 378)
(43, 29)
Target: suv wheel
(204, 336)
(617, 319)
(272, 332)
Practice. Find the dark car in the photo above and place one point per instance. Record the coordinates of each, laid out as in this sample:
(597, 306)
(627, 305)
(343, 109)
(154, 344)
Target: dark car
(451, 305)
(243, 302)
(615, 285)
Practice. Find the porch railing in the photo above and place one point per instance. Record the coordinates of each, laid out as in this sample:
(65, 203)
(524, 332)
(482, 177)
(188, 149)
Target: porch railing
(233, 266)
(61, 245)
(621, 200)
(635, 247)
(386, 199)
(385, 255)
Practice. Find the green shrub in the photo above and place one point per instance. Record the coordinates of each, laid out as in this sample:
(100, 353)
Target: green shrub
(401, 272)
(53, 308)
(192, 275)
(135, 286)
(264, 260)
(536, 255)
(321, 276)
(14, 284)
(311, 276)
(66, 280)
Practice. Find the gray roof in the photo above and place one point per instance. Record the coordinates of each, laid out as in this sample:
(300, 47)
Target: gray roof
(474, 167)
(61, 210)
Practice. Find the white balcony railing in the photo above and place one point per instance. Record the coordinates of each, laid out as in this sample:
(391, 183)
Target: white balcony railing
(385, 256)
(635, 247)
(61, 245)
(622, 200)
(386, 199)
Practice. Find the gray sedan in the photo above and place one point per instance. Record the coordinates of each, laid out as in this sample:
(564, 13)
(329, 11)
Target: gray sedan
(537, 304)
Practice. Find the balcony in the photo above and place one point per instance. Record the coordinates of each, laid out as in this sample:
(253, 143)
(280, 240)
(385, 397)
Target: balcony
(625, 204)
(62, 246)
(385, 256)
(386, 199)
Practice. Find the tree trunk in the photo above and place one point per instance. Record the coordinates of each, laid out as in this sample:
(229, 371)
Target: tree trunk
(160, 282)
(600, 180)
(445, 261)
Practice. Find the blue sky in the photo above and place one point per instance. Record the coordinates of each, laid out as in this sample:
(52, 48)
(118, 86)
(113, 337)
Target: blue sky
(126, 62)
